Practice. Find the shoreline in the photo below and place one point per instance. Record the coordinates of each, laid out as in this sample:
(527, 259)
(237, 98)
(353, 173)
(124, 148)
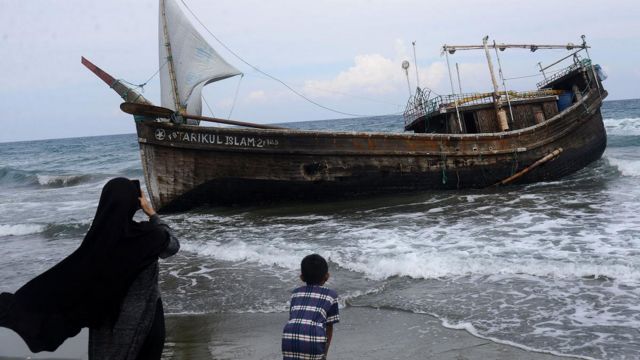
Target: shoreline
(362, 333)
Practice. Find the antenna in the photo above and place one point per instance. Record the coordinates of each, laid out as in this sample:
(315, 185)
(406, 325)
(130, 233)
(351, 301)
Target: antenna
(415, 61)
(405, 67)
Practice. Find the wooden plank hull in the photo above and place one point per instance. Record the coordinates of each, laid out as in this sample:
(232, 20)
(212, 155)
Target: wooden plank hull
(187, 166)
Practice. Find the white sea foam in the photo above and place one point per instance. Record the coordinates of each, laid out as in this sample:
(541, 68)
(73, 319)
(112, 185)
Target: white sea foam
(388, 256)
(436, 266)
(238, 251)
(60, 180)
(627, 167)
(468, 327)
(20, 229)
(626, 126)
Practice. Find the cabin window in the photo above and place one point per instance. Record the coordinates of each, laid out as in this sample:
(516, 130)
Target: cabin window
(470, 122)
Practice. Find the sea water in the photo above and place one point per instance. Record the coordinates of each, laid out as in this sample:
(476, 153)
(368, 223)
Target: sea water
(553, 266)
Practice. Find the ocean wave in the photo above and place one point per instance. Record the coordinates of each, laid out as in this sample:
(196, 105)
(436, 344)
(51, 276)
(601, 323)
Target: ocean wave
(623, 127)
(468, 327)
(48, 230)
(21, 229)
(440, 266)
(238, 251)
(627, 167)
(13, 177)
(61, 180)
(382, 264)
(70, 229)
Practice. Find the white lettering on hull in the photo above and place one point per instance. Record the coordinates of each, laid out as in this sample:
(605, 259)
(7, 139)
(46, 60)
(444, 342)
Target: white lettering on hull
(214, 139)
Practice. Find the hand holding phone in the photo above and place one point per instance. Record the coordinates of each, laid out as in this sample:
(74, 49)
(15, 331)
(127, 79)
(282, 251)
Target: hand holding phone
(144, 203)
(146, 206)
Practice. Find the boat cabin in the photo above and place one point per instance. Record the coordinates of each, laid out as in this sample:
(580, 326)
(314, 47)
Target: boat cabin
(503, 110)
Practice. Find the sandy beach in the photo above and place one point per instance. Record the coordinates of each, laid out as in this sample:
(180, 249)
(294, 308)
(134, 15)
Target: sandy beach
(363, 333)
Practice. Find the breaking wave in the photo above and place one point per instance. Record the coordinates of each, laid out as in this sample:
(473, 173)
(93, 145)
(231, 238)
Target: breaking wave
(626, 167)
(21, 229)
(414, 264)
(61, 180)
(48, 230)
(12, 177)
(623, 127)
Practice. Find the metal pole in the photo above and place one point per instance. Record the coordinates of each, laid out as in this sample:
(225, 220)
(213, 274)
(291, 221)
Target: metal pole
(446, 55)
(415, 62)
(459, 83)
(504, 84)
(542, 71)
(453, 90)
(593, 70)
(405, 67)
(408, 82)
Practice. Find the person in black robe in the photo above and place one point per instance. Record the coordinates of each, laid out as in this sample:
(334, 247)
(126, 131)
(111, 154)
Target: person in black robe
(109, 284)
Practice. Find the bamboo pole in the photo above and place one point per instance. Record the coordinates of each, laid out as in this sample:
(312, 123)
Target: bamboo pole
(555, 153)
(500, 113)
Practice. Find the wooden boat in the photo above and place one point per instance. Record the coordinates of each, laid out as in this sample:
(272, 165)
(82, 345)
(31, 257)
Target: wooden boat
(456, 141)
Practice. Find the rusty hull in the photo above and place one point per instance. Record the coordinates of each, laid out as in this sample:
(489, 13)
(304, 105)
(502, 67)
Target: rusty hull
(187, 166)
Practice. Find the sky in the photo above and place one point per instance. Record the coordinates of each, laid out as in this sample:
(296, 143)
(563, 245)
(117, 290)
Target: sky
(345, 55)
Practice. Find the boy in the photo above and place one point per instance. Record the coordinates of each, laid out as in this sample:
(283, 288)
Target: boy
(313, 311)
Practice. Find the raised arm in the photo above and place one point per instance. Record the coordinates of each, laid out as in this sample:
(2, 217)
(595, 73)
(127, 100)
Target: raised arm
(174, 245)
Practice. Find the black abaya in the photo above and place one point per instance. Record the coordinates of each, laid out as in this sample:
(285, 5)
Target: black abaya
(88, 286)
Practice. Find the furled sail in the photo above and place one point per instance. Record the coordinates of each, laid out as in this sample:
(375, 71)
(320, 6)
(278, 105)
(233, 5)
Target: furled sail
(187, 61)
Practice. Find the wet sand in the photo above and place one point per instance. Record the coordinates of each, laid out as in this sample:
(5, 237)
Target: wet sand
(363, 333)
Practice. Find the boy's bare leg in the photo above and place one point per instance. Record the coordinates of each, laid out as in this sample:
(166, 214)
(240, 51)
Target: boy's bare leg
(329, 336)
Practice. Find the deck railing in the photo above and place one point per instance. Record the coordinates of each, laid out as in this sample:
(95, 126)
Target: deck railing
(420, 105)
(563, 72)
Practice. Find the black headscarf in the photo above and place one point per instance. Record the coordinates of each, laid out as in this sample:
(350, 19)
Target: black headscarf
(88, 286)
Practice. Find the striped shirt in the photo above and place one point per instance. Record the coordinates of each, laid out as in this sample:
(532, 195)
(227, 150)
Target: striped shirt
(312, 308)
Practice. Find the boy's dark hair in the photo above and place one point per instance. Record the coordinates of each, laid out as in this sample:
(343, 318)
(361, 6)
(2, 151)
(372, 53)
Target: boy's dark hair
(313, 267)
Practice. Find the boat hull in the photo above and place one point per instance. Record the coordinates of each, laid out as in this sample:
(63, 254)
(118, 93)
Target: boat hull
(187, 166)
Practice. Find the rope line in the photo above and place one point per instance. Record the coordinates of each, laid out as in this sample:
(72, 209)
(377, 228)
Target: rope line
(264, 73)
(209, 107)
(141, 86)
(235, 98)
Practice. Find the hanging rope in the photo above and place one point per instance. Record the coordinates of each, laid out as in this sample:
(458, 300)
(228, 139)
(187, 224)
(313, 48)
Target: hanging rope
(235, 98)
(141, 86)
(208, 107)
(264, 73)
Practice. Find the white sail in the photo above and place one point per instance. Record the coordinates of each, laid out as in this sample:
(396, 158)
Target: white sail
(193, 62)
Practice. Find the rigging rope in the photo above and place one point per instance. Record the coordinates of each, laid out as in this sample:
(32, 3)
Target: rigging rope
(209, 107)
(141, 86)
(235, 98)
(550, 73)
(264, 73)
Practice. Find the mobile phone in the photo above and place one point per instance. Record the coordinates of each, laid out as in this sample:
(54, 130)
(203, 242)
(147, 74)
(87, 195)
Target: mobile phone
(136, 183)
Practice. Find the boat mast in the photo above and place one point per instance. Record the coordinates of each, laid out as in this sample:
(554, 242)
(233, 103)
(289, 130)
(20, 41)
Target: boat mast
(500, 113)
(172, 74)
(453, 90)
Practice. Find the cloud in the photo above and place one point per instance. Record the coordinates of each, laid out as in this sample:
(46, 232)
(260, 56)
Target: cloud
(257, 96)
(377, 75)
(371, 73)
